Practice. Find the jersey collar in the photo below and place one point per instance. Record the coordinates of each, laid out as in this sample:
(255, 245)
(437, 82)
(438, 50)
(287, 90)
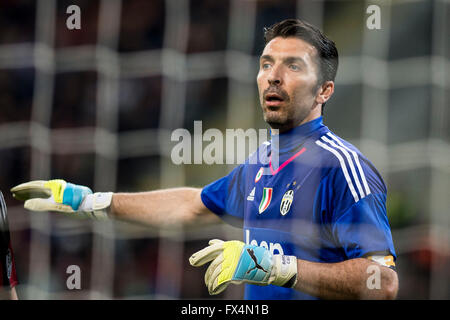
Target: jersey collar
(291, 139)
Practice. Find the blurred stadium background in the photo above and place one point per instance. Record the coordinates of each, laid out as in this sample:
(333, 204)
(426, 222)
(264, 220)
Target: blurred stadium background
(96, 107)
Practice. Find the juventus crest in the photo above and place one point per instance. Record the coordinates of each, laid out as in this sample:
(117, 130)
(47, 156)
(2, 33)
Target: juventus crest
(286, 202)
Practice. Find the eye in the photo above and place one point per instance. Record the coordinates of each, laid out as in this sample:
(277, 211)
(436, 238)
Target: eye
(294, 67)
(265, 66)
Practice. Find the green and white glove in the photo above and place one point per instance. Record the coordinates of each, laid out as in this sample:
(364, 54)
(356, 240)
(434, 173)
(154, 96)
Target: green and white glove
(61, 196)
(236, 262)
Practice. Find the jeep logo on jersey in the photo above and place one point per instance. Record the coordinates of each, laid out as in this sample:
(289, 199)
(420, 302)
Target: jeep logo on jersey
(266, 198)
(286, 202)
(273, 247)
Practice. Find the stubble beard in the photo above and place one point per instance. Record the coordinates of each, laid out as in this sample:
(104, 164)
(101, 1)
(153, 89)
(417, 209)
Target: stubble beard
(286, 117)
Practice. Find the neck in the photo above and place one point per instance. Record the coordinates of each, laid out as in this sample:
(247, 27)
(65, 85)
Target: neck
(287, 141)
(314, 114)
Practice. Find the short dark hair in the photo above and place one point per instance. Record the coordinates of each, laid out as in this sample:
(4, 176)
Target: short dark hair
(326, 48)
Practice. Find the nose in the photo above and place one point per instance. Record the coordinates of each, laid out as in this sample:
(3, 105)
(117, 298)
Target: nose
(274, 82)
(274, 78)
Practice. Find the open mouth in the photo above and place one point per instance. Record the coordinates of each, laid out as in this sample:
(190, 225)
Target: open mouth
(273, 99)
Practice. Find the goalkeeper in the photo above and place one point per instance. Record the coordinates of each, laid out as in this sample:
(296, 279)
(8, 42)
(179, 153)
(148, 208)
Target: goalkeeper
(314, 223)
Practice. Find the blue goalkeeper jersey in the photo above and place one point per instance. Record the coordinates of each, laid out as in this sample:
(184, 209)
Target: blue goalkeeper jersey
(307, 193)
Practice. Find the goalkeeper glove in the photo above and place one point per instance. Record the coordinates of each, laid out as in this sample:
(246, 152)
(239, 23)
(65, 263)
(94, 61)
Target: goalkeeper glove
(61, 196)
(236, 262)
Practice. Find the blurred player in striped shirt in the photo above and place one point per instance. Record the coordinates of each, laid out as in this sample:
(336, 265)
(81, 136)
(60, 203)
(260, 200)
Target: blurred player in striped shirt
(8, 279)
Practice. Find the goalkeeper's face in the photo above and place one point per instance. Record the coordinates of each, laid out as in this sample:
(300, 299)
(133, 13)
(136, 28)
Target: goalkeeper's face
(287, 83)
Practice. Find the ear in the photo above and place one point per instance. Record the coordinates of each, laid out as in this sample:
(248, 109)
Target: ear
(325, 91)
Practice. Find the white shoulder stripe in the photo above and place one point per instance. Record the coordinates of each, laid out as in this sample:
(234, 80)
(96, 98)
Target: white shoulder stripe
(343, 166)
(350, 162)
(355, 156)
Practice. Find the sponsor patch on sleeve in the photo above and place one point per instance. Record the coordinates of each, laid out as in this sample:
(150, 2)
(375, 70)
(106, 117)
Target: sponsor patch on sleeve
(384, 260)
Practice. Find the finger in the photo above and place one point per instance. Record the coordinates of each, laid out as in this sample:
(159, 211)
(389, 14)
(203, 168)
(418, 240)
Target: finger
(214, 241)
(214, 287)
(213, 273)
(205, 255)
(46, 205)
(214, 267)
(31, 189)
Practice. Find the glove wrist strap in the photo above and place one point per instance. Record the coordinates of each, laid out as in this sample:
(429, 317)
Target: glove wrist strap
(284, 272)
(96, 205)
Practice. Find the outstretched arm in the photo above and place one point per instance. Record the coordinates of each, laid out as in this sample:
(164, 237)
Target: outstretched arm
(159, 208)
(162, 207)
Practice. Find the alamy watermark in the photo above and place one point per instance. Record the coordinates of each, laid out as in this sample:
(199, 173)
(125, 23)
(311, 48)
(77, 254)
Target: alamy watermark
(373, 21)
(74, 279)
(374, 280)
(213, 146)
(74, 20)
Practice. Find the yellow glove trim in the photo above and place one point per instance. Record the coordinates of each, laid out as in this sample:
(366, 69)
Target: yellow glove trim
(57, 186)
(231, 253)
